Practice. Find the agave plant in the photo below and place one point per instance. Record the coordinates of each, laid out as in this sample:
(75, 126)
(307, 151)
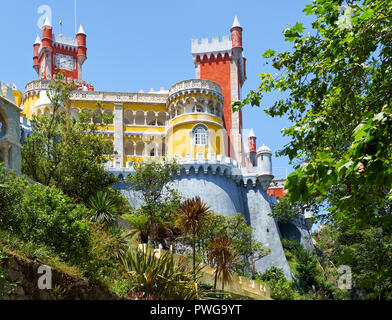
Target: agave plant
(221, 255)
(160, 278)
(103, 208)
(193, 214)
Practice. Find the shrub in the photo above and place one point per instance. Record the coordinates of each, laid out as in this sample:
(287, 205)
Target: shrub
(281, 288)
(103, 208)
(105, 252)
(43, 215)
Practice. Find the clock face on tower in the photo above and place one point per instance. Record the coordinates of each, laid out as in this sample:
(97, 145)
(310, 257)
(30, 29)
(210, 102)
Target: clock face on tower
(63, 61)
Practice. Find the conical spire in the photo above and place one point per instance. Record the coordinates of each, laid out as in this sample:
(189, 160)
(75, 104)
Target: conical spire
(81, 30)
(252, 134)
(47, 22)
(236, 23)
(37, 40)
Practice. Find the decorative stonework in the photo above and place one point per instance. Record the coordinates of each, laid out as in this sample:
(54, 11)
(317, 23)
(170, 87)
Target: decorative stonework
(195, 84)
(119, 97)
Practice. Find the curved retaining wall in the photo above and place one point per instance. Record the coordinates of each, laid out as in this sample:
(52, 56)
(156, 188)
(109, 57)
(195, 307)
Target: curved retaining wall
(227, 196)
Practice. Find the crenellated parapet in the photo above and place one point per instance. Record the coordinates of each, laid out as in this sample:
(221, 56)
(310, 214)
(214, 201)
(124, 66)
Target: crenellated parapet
(194, 85)
(222, 166)
(213, 47)
(195, 96)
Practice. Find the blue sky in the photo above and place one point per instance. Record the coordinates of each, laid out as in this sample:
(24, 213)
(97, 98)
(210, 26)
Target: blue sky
(133, 45)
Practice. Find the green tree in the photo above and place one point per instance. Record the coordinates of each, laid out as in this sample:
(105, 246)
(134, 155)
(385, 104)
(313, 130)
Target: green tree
(67, 152)
(337, 79)
(239, 232)
(367, 252)
(221, 255)
(193, 215)
(160, 201)
(281, 288)
(141, 224)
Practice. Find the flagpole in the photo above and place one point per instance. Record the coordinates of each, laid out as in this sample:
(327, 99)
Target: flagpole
(75, 14)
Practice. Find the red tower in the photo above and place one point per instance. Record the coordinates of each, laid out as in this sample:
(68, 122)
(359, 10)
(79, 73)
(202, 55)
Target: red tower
(222, 61)
(82, 49)
(59, 53)
(252, 147)
(36, 45)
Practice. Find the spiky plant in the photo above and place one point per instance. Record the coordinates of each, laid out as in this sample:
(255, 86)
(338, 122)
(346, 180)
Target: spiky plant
(160, 278)
(221, 255)
(103, 208)
(193, 214)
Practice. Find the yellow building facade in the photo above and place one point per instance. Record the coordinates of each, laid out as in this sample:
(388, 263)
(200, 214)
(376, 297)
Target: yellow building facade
(184, 122)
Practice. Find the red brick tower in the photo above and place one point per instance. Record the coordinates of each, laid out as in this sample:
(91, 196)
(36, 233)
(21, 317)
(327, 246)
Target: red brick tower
(222, 61)
(57, 53)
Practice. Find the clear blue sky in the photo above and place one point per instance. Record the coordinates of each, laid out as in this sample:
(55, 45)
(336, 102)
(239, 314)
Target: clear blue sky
(133, 45)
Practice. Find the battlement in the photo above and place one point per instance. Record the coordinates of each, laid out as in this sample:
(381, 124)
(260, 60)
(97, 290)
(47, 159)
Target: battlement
(65, 40)
(219, 166)
(216, 45)
(194, 85)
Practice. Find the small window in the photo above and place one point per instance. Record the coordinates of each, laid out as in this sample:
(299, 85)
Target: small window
(198, 108)
(152, 153)
(200, 136)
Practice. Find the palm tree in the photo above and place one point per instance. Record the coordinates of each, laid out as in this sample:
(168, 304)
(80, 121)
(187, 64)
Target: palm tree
(193, 214)
(141, 224)
(221, 255)
(103, 208)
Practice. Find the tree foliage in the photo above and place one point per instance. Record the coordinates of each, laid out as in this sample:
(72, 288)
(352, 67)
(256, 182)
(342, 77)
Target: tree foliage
(221, 255)
(193, 215)
(239, 232)
(67, 152)
(156, 217)
(337, 79)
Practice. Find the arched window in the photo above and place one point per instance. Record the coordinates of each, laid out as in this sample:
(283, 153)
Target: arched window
(139, 148)
(161, 120)
(109, 112)
(129, 148)
(200, 135)
(128, 117)
(151, 118)
(97, 116)
(3, 128)
(139, 118)
(198, 108)
(74, 113)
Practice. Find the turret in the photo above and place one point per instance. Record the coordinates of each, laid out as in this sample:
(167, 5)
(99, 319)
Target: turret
(236, 34)
(222, 61)
(264, 162)
(47, 36)
(82, 50)
(36, 46)
(252, 147)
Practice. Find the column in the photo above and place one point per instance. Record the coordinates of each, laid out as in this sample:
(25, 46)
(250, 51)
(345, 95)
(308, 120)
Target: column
(118, 135)
(235, 133)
